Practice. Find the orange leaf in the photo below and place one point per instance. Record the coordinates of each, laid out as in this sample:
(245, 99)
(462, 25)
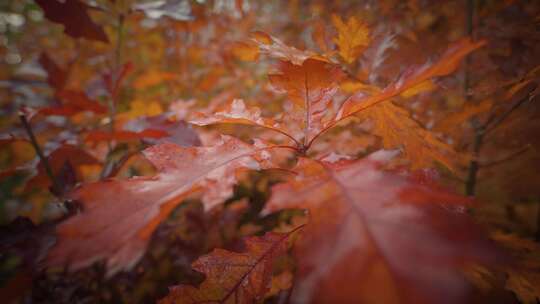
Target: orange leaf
(152, 78)
(446, 64)
(275, 48)
(353, 38)
(398, 129)
(310, 86)
(120, 215)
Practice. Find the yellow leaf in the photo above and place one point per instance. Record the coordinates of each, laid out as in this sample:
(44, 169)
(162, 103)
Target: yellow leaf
(152, 78)
(424, 86)
(353, 37)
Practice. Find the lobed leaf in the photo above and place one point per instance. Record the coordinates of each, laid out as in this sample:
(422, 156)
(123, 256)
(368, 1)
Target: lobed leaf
(398, 129)
(445, 65)
(120, 215)
(234, 277)
(311, 87)
(376, 237)
(353, 37)
(77, 23)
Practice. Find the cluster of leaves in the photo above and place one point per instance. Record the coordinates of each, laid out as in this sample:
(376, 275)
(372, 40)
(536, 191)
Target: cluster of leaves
(342, 220)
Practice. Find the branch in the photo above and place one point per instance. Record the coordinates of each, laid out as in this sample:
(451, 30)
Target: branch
(494, 121)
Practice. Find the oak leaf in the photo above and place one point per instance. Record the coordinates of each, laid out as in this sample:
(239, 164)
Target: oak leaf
(398, 129)
(375, 236)
(57, 160)
(353, 37)
(120, 215)
(311, 87)
(412, 77)
(98, 135)
(73, 102)
(524, 274)
(232, 277)
(236, 112)
(275, 48)
(77, 23)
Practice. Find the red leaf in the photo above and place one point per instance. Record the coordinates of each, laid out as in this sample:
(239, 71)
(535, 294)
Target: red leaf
(121, 215)
(73, 15)
(57, 160)
(234, 277)
(56, 75)
(73, 102)
(370, 240)
(178, 132)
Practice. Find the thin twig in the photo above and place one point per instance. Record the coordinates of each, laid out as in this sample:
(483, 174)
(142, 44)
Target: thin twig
(506, 158)
(48, 170)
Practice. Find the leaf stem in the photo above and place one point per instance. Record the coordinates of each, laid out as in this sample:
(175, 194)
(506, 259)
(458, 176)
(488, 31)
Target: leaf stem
(48, 170)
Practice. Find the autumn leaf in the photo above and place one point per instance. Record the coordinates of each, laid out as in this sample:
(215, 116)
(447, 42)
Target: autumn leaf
(469, 110)
(57, 160)
(398, 129)
(178, 132)
(236, 112)
(524, 274)
(73, 102)
(353, 37)
(445, 65)
(376, 237)
(245, 51)
(77, 23)
(98, 135)
(275, 48)
(152, 78)
(311, 87)
(120, 215)
(56, 75)
(422, 87)
(232, 277)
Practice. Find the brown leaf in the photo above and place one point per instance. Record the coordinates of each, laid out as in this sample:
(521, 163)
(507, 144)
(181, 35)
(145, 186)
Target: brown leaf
(234, 277)
(376, 237)
(73, 15)
(120, 215)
